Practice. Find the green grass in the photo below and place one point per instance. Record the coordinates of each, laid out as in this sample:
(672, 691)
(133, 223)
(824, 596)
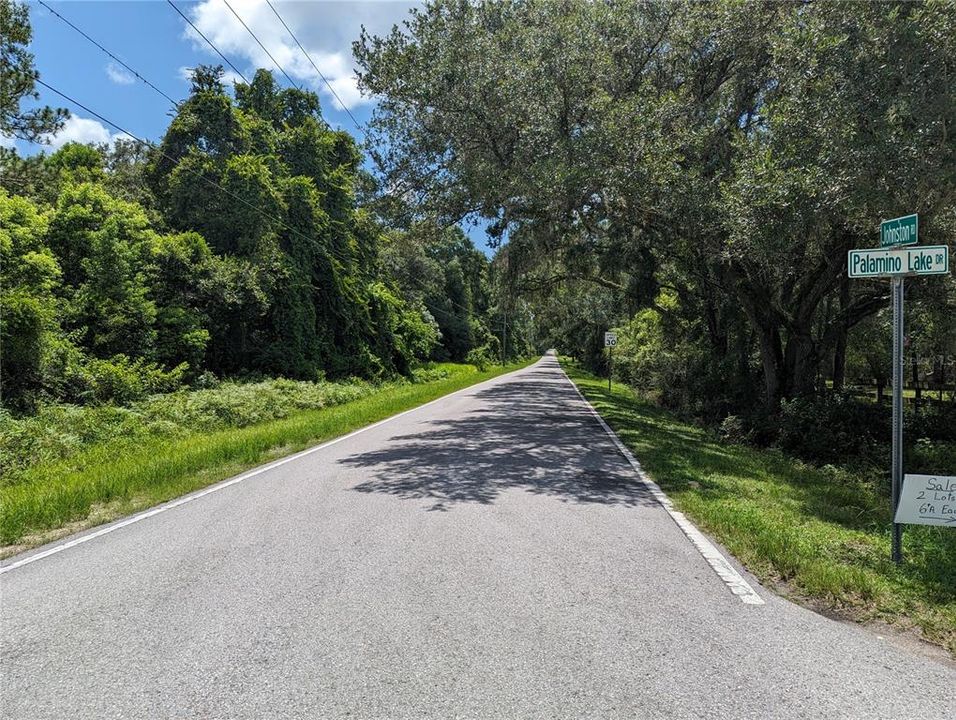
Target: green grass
(816, 534)
(109, 478)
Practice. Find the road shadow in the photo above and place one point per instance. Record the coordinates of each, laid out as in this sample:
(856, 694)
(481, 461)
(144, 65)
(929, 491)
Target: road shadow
(531, 433)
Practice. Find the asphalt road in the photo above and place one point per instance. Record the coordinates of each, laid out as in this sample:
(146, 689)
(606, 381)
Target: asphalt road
(489, 555)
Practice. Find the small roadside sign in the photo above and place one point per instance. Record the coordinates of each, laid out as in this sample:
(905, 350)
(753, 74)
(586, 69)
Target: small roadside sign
(923, 260)
(610, 339)
(928, 500)
(899, 231)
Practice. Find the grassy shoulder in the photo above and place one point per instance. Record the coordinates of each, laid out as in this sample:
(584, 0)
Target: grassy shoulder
(820, 535)
(130, 468)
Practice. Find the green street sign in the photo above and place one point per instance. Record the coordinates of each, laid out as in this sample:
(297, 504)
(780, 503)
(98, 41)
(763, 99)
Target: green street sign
(900, 231)
(925, 260)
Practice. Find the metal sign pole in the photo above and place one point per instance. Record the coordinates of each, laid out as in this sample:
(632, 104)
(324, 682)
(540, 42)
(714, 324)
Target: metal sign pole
(610, 366)
(897, 459)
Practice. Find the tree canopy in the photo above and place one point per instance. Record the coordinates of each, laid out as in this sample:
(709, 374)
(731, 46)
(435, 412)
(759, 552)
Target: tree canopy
(711, 161)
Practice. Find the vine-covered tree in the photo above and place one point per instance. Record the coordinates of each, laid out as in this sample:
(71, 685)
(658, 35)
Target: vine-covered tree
(265, 181)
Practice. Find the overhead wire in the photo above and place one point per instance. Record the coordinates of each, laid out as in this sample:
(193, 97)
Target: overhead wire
(114, 57)
(316, 67)
(208, 41)
(355, 122)
(254, 37)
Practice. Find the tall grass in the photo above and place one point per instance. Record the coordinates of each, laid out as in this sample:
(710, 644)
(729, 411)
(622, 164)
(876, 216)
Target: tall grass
(135, 457)
(816, 533)
(57, 432)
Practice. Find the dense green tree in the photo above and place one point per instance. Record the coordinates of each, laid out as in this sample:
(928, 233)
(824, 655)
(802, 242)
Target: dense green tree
(441, 269)
(263, 179)
(29, 273)
(179, 271)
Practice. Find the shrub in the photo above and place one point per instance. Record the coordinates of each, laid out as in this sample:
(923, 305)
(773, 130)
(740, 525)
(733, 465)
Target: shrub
(425, 375)
(831, 429)
(934, 421)
(735, 429)
(122, 380)
(927, 456)
(480, 357)
(56, 432)
(206, 380)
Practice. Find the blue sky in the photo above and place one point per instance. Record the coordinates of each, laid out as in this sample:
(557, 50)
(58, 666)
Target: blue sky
(154, 40)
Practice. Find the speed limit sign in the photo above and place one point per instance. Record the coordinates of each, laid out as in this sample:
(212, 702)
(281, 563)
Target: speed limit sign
(610, 339)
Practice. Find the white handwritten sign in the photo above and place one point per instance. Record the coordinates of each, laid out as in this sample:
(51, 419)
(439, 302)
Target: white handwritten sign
(928, 500)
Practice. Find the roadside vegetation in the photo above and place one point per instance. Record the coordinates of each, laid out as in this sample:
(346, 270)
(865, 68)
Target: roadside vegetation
(245, 243)
(72, 467)
(173, 312)
(818, 533)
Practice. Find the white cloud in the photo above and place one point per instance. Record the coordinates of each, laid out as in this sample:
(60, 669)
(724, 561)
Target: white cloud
(325, 29)
(7, 142)
(83, 130)
(119, 75)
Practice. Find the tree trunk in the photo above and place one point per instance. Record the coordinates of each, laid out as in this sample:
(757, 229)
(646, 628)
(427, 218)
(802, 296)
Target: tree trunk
(839, 349)
(771, 357)
(800, 364)
(744, 342)
(879, 392)
(715, 330)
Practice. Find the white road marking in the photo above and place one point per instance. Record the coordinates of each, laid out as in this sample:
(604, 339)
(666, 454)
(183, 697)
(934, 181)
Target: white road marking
(725, 571)
(227, 483)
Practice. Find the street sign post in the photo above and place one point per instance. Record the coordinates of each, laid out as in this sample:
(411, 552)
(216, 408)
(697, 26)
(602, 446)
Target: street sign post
(896, 456)
(610, 340)
(928, 500)
(925, 260)
(899, 231)
(895, 261)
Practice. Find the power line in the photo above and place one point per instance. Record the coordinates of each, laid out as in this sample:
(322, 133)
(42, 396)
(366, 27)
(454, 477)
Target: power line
(208, 41)
(315, 67)
(262, 46)
(92, 112)
(308, 57)
(140, 77)
(471, 312)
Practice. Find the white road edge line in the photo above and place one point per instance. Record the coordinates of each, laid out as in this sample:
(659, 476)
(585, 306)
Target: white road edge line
(112, 527)
(725, 571)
